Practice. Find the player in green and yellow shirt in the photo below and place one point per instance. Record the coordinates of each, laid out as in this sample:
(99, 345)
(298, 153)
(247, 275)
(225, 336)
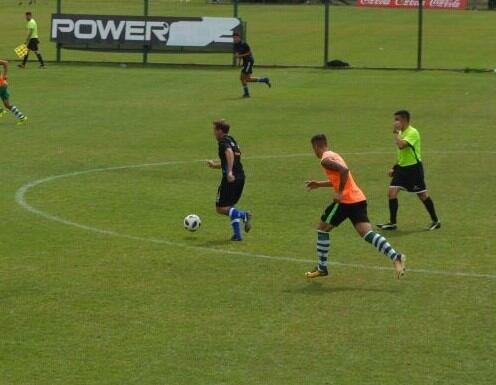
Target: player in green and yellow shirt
(32, 41)
(408, 173)
(5, 96)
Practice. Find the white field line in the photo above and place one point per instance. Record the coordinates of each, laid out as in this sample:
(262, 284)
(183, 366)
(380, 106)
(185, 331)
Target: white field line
(20, 198)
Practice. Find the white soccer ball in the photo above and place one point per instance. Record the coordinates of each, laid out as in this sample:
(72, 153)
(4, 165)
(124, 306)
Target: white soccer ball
(192, 222)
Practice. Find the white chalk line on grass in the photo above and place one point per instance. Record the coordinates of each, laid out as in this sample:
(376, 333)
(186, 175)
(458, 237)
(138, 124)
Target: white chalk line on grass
(20, 198)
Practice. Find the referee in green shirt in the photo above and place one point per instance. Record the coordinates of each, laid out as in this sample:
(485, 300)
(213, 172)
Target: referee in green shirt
(32, 41)
(408, 173)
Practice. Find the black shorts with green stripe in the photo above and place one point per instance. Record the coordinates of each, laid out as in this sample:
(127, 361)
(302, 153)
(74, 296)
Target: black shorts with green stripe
(337, 213)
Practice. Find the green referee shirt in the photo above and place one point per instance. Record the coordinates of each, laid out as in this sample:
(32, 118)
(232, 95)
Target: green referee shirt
(406, 156)
(31, 25)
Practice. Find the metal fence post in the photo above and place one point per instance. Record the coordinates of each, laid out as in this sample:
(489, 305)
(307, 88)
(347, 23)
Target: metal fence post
(145, 48)
(58, 51)
(420, 34)
(235, 14)
(326, 32)
(235, 8)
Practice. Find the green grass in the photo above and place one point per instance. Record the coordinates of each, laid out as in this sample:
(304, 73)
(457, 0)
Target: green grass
(85, 308)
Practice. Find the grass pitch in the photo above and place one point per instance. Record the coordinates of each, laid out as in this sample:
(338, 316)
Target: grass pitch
(158, 305)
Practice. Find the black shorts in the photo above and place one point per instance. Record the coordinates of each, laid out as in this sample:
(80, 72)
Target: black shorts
(33, 44)
(337, 213)
(248, 67)
(229, 193)
(409, 178)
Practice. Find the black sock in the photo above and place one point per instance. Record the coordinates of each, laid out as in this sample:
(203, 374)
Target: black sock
(393, 210)
(429, 205)
(25, 60)
(40, 59)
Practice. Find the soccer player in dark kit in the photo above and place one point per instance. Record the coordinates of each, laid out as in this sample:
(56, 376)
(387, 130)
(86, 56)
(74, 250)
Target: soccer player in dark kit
(243, 52)
(233, 179)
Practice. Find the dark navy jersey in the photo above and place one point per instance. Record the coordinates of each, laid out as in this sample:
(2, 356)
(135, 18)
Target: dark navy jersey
(225, 143)
(242, 48)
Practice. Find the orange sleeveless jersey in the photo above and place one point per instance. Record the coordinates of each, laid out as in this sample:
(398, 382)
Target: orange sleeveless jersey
(351, 192)
(3, 82)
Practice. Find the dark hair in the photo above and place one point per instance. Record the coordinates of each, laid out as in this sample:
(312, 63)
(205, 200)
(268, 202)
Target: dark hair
(236, 34)
(29, 13)
(403, 114)
(319, 140)
(222, 125)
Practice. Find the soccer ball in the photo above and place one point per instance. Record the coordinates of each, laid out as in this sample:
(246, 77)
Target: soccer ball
(192, 222)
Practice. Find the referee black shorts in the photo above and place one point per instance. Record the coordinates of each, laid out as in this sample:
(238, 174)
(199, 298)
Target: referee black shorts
(229, 194)
(247, 67)
(337, 213)
(409, 178)
(33, 44)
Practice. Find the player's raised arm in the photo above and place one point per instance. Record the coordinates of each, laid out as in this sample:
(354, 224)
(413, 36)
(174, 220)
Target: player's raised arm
(401, 143)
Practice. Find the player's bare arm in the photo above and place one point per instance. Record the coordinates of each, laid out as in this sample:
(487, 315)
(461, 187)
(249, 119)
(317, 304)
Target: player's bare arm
(230, 162)
(30, 33)
(400, 142)
(212, 164)
(343, 172)
(5, 68)
(315, 184)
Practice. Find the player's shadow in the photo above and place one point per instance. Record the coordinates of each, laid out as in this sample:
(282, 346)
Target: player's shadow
(218, 242)
(401, 233)
(233, 98)
(190, 239)
(318, 288)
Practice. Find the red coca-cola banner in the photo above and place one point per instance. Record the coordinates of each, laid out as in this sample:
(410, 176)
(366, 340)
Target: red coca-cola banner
(428, 4)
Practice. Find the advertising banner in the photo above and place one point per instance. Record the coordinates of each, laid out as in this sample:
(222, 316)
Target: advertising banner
(428, 4)
(138, 33)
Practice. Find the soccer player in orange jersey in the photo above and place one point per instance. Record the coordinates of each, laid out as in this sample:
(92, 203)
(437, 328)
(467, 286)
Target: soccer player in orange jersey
(5, 96)
(349, 203)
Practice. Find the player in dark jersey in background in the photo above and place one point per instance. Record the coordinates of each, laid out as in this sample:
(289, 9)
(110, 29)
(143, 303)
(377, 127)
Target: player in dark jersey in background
(233, 179)
(243, 52)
